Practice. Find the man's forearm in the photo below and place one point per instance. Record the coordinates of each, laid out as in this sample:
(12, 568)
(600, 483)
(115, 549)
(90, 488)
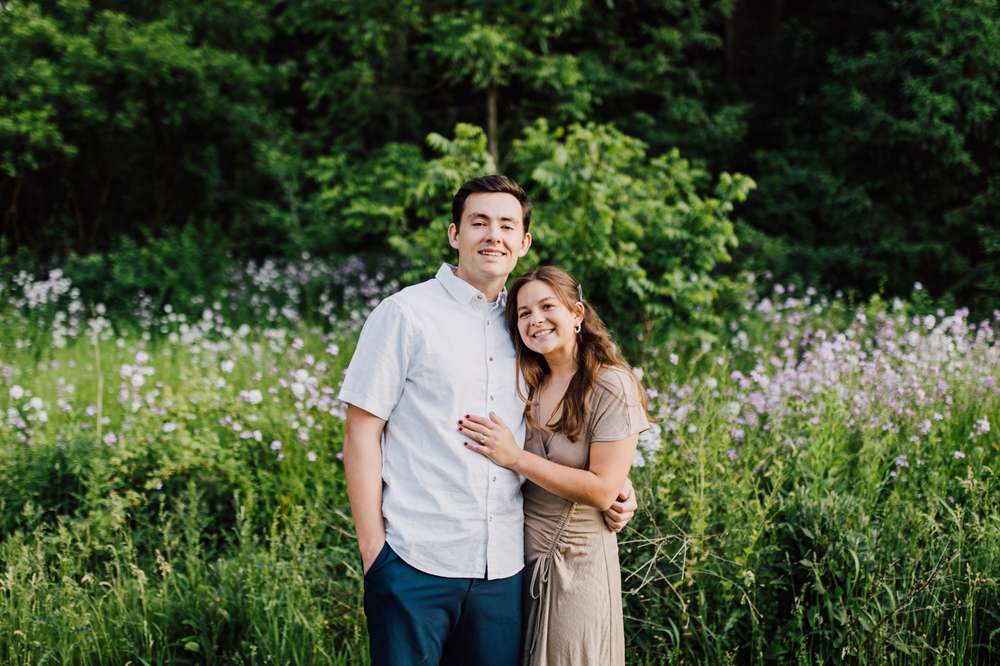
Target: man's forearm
(364, 488)
(363, 469)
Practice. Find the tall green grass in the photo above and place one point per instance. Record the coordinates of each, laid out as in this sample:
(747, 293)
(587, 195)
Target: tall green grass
(800, 503)
(187, 546)
(839, 507)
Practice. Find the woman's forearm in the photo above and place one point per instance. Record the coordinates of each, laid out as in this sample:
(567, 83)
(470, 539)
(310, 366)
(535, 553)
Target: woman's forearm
(576, 485)
(598, 486)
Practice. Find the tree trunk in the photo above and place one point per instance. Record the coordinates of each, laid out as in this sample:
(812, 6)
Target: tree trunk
(730, 47)
(10, 215)
(81, 239)
(491, 123)
(101, 202)
(774, 22)
(170, 178)
(4, 184)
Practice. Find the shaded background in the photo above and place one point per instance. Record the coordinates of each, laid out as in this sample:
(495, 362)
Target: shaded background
(146, 144)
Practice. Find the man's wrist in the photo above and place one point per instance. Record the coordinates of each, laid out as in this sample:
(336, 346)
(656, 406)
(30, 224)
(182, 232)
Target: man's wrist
(373, 541)
(370, 548)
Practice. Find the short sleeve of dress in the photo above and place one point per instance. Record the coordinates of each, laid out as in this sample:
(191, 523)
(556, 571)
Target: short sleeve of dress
(617, 410)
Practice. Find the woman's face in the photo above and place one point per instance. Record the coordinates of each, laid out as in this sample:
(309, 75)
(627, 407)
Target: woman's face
(546, 325)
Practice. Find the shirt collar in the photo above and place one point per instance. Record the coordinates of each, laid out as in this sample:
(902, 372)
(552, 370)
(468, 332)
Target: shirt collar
(462, 291)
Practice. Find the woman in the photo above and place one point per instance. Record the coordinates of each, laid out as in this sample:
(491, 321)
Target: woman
(585, 410)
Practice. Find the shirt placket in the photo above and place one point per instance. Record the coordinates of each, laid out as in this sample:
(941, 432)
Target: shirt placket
(493, 394)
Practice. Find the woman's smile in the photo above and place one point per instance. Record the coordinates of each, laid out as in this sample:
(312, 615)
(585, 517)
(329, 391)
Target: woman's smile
(545, 323)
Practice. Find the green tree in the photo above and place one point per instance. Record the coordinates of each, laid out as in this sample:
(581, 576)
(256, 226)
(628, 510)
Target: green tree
(878, 146)
(640, 234)
(424, 244)
(117, 119)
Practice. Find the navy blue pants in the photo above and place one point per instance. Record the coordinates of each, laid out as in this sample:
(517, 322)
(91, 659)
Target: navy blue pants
(416, 618)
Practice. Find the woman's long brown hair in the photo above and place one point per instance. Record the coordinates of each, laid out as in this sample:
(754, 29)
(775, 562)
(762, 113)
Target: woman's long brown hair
(595, 351)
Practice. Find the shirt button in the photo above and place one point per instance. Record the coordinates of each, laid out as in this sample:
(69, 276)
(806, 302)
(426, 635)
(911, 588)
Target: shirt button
(491, 398)
(494, 479)
(479, 297)
(491, 358)
(491, 519)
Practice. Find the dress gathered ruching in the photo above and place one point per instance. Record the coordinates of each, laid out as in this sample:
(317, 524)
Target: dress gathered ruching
(572, 596)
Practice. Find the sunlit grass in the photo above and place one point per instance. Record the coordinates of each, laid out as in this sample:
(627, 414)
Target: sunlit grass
(819, 488)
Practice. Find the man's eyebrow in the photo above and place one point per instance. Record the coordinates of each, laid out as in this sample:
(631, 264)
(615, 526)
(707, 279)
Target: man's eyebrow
(484, 216)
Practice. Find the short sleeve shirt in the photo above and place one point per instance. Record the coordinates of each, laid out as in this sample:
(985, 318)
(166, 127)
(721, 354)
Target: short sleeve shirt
(427, 356)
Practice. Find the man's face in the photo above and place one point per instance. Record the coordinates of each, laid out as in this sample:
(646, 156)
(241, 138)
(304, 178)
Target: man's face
(491, 238)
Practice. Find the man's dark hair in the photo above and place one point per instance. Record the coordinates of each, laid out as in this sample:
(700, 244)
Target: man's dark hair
(494, 183)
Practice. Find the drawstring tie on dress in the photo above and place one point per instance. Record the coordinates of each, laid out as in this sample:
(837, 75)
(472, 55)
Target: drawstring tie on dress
(540, 576)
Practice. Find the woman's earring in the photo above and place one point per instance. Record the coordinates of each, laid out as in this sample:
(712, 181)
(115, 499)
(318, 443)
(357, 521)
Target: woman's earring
(576, 328)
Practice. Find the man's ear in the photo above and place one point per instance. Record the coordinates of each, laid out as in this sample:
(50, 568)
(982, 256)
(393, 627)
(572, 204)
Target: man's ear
(453, 235)
(525, 244)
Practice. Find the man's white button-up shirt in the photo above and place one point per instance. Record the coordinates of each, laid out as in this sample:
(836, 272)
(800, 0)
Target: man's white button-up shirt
(428, 356)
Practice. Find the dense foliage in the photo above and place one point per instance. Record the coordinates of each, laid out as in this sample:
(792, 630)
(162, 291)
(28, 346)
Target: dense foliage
(276, 128)
(636, 232)
(877, 146)
(819, 489)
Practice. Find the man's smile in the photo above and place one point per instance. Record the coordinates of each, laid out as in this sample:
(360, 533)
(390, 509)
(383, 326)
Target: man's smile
(492, 253)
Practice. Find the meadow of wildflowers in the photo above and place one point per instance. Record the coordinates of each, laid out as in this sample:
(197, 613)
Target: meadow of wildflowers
(821, 489)
(818, 487)
(170, 479)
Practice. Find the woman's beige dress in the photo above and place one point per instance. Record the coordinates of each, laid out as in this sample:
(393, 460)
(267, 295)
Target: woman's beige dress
(573, 596)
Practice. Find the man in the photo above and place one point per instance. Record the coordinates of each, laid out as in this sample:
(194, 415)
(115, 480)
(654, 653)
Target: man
(440, 527)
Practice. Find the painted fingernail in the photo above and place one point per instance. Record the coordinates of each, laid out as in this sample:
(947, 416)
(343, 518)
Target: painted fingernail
(460, 421)
(466, 416)
(459, 427)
